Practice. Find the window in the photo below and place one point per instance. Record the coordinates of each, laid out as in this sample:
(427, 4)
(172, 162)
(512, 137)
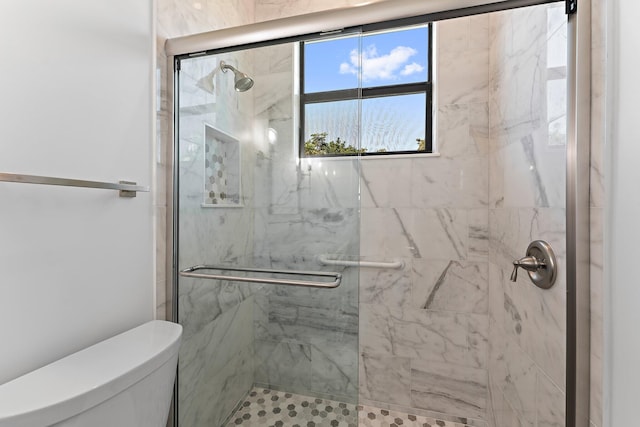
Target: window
(367, 93)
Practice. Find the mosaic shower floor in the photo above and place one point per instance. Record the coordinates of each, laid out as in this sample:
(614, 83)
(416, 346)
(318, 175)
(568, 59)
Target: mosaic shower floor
(271, 408)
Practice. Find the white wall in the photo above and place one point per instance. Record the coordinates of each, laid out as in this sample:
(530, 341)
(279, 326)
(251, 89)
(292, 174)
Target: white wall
(623, 344)
(76, 265)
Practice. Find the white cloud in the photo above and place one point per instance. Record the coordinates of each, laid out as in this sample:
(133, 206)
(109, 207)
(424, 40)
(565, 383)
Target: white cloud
(381, 67)
(412, 68)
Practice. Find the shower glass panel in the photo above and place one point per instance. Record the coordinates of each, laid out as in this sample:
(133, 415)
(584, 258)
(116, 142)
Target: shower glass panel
(246, 199)
(433, 331)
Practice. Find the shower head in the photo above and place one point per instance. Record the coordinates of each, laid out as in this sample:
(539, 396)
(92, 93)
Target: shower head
(206, 83)
(242, 81)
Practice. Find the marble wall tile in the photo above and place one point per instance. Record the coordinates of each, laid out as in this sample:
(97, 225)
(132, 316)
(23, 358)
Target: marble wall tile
(202, 340)
(497, 276)
(386, 183)
(479, 31)
(453, 135)
(439, 233)
(274, 94)
(274, 59)
(458, 286)
(219, 393)
(390, 287)
(455, 338)
(444, 182)
(534, 174)
(304, 320)
(537, 322)
(462, 131)
(309, 233)
(215, 236)
(385, 379)
(454, 34)
(550, 403)
(314, 183)
(334, 369)
(329, 182)
(459, 85)
(511, 231)
(387, 233)
(515, 375)
(215, 377)
(283, 363)
(526, 196)
(414, 233)
(438, 224)
(502, 415)
(322, 322)
(533, 317)
(478, 235)
(449, 389)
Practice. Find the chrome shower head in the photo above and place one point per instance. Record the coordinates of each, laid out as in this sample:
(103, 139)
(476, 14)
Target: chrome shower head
(242, 81)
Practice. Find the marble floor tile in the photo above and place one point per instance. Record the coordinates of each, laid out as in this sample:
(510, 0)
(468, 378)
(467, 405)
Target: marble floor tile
(271, 408)
(265, 407)
(369, 416)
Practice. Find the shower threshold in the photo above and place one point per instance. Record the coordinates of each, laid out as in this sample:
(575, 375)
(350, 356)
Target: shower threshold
(271, 408)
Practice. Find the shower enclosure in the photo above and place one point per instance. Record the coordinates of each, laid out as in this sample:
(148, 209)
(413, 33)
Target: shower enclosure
(246, 200)
(345, 290)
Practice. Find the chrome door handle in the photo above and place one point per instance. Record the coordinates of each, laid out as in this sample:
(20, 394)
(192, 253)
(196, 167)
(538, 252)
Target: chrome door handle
(540, 263)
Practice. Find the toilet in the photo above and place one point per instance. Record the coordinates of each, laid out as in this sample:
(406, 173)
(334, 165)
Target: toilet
(124, 381)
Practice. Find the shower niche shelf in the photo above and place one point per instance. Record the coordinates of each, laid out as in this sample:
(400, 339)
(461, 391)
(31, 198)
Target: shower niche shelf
(221, 169)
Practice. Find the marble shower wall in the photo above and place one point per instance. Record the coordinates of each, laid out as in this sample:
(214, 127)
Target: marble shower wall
(305, 339)
(424, 329)
(216, 358)
(527, 202)
(177, 18)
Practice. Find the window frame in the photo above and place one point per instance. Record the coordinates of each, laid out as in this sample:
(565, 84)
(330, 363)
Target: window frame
(362, 93)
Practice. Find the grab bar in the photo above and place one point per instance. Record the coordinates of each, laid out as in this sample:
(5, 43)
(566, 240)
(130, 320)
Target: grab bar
(325, 260)
(189, 272)
(126, 188)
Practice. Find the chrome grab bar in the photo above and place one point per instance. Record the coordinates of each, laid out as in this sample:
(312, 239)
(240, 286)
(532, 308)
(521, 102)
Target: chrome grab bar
(189, 272)
(126, 188)
(325, 260)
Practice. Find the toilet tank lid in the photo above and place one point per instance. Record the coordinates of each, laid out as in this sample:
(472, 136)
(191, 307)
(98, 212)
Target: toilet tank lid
(84, 379)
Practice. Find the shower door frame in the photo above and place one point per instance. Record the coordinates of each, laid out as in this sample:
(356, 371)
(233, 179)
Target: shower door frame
(578, 143)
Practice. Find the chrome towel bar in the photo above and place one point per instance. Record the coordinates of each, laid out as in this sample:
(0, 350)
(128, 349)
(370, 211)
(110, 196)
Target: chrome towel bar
(337, 277)
(324, 259)
(126, 188)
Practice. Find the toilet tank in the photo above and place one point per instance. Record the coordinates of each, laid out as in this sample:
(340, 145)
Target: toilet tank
(125, 381)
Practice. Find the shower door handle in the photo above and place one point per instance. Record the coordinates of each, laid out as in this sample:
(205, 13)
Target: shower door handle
(540, 263)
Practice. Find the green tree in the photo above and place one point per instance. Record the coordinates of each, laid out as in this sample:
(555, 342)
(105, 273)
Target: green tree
(422, 144)
(317, 145)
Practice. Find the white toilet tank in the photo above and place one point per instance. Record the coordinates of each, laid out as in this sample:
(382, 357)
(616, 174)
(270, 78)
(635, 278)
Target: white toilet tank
(125, 381)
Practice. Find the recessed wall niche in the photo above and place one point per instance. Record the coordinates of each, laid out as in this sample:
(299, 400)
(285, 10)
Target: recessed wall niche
(221, 169)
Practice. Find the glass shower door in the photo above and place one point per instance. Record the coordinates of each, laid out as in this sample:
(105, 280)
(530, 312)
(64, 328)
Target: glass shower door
(247, 200)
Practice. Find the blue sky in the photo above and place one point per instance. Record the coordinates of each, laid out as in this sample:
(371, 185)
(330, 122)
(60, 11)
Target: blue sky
(387, 58)
(378, 59)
